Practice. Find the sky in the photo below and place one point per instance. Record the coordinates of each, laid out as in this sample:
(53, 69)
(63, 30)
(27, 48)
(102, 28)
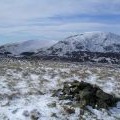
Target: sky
(22, 20)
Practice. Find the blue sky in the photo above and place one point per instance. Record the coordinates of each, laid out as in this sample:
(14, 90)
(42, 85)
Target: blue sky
(22, 20)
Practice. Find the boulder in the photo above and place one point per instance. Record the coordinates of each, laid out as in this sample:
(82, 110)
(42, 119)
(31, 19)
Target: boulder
(86, 94)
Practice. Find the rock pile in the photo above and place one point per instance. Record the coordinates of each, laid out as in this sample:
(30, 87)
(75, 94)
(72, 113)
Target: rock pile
(86, 94)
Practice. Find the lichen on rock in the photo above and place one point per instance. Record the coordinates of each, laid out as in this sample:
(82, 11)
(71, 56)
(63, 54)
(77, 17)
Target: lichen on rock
(86, 94)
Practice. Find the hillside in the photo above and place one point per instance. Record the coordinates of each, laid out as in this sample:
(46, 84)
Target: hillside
(89, 46)
(26, 46)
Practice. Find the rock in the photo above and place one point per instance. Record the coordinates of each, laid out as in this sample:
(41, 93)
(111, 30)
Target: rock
(69, 110)
(40, 93)
(66, 85)
(68, 103)
(66, 90)
(102, 95)
(102, 104)
(86, 94)
(77, 97)
(75, 84)
(63, 97)
(52, 104)
(34, 114)
(26, 113)
(83, 103)
(83, 85)
(15, 111)
(75, 90)
(57, 93)
(54, 115)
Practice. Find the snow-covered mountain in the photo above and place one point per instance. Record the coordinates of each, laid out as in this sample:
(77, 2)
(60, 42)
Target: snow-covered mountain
(26, 46)
(89, 41)
(86, 45)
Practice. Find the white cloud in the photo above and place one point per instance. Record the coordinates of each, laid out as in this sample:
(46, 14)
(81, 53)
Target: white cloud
(57, 32)
(29, 9)
(32, 17)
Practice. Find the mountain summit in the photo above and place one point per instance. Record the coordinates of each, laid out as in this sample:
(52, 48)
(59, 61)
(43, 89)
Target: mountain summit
(90, 41)
(88, 46)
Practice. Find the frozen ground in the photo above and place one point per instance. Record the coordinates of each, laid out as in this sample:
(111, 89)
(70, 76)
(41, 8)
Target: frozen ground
(26, 88)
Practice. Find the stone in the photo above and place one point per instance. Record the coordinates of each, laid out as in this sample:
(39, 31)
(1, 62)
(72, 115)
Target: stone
(75, 90)
(102, 95)
(69, 110)
(66, 90)
(83, 103)
(26, 113)
(54, 115)
(52, 104)
(57, 93)
(34, 114)
(86, 94)
(102, 104)
(63, 97)
(83, 85)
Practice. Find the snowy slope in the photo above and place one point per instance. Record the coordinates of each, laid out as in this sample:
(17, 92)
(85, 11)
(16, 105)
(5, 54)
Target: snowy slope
(100, 47)
(89, 46)
(26, 46)
(90, 41)
(26, 89)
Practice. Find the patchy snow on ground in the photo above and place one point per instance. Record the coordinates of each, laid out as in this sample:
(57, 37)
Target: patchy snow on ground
(26, 89)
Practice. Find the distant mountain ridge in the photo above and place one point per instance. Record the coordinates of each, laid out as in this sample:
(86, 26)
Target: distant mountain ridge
(88, 46)
(89, 41)
(83, 47)
(26, 46)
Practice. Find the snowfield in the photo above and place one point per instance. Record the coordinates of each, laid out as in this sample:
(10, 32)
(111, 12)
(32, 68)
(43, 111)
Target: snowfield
(26, 89)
